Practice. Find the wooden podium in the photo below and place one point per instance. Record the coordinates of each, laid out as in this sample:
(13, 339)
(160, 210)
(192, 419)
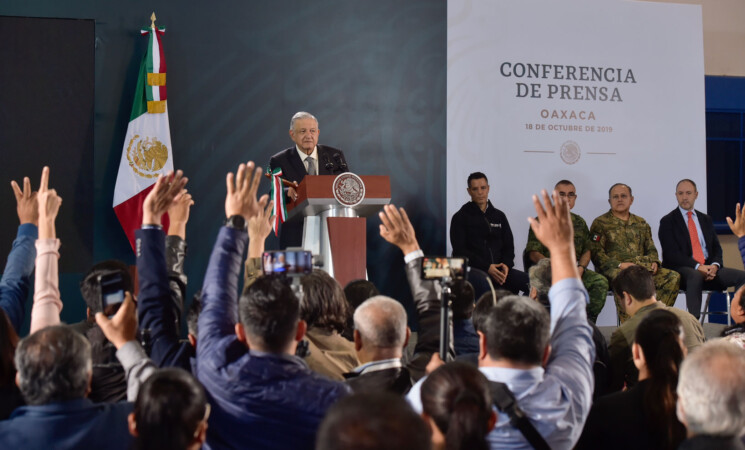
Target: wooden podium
(335, 232)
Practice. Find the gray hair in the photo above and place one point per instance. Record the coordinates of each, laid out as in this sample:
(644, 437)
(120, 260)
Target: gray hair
(301, 115)
(540, 277)
(381, 322)
(711, 390)
(54, 364)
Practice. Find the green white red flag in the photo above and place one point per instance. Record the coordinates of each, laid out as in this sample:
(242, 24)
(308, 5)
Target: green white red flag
(147, 146)
(278, 199)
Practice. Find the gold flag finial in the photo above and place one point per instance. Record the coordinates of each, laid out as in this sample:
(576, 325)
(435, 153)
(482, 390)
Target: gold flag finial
(152, 20)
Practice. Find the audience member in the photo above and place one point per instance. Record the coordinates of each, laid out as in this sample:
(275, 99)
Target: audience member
(396, 229)
(323, 306)
(380, 336)
(457, 405)
(482, 308)
(54, 374)
(159, 302)
(170, 412)
(176, 248)
(711, 398)
(14, 287)
(596, 284)
(465, 338)
(481, 312)
(643, 417)
(10, 395)
(621, 239)
(325, 310)
(481, 233)
(690, 246)
(540, 285)
(109, 380)
(356, 292)
(485, 303)
(372, 421)
(121, 331)
(634, 286)
(262, 395)
(549, 373)
(47, 303)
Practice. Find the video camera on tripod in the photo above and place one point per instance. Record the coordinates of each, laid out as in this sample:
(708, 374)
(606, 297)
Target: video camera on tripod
(446, 271)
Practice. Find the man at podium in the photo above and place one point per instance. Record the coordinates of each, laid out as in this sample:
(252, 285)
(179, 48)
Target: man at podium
(305, 157)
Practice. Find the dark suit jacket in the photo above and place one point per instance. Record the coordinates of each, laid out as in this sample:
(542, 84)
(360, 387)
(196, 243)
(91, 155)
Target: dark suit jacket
(78, 423)
(331, 161)
(676, 242)
(396, 380)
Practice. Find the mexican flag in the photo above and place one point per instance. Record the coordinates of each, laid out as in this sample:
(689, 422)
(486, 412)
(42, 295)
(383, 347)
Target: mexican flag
(147, 145)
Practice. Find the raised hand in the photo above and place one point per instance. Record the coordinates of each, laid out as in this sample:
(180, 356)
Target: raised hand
(178, 214)
(121, 328)
(554, 229)
(48, 207)
(737, 227)
(242, 188)
(26, 204)
(397, 229)
(259, 227)
(162, 197)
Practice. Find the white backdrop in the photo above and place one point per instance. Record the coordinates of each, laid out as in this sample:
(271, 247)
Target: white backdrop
(649, 132)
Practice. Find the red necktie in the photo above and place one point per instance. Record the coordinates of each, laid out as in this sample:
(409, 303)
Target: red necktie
(698, 252)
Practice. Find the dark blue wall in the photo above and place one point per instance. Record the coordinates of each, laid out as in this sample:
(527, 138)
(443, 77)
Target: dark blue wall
(373, 72)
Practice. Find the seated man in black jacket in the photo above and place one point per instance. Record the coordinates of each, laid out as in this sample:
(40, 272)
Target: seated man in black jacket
(481, 233)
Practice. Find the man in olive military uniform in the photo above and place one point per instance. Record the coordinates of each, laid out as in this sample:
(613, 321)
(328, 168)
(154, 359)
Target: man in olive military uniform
(620, 239)
(596, 284)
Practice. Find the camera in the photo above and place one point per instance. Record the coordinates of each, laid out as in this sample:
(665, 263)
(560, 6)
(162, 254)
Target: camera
(112, 292)
(443, 268)
(287, 263)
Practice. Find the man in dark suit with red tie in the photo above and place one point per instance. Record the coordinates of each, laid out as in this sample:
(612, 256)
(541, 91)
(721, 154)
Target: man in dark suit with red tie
(305, 158)
(690, 247)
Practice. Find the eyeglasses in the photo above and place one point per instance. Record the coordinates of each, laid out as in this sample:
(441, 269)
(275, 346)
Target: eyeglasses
(570, 195)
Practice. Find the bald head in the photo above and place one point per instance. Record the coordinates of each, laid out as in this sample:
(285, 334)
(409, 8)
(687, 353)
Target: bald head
(381, 322)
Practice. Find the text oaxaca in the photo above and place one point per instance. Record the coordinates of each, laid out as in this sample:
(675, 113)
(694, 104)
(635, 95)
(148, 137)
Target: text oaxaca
(564, 73)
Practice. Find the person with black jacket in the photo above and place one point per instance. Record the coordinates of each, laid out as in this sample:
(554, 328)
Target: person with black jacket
(481, 233)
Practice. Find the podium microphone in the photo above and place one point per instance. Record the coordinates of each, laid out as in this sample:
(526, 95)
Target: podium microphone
(329, 164)
(340, 162)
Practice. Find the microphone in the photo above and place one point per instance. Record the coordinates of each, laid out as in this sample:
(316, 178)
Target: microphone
(329, 164)
(340, 162)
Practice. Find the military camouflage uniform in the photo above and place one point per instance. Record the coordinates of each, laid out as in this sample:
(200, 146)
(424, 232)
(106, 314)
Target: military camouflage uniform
(615, 241)
(596, 284)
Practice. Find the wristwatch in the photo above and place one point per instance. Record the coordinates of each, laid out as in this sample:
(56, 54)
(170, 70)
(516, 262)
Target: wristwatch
(236, 222)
